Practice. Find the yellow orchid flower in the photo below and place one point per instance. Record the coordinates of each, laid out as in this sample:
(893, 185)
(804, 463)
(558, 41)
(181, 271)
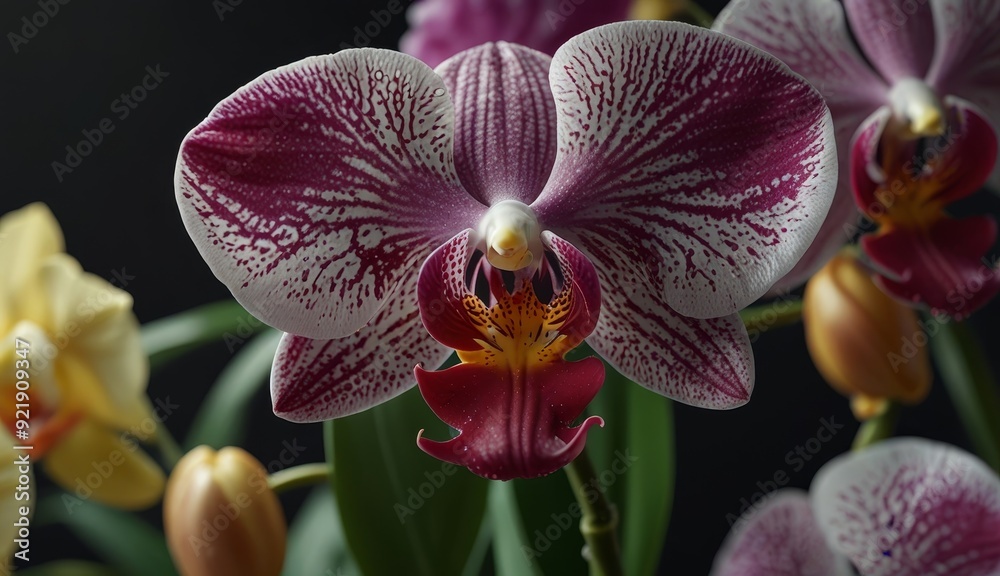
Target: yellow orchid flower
(72, 370)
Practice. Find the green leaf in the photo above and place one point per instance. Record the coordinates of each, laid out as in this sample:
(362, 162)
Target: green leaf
(509, 538)
(967, 376)
(169, 338)
(316, 543)
(222, 419)
(403, 512)
(552, 530)
(69, 568)
(648, 458)
(634, 460)
(122, 539)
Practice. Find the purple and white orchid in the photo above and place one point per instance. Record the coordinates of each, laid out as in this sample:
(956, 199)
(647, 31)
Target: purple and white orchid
(672, 174)
(904, 507)
(442, 28)
(912, 86)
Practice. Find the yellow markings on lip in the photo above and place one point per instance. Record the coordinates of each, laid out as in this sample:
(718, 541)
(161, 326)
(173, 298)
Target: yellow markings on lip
(519, 331)
(911, 196)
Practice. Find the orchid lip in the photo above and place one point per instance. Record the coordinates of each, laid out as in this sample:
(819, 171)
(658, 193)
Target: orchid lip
(510, 235)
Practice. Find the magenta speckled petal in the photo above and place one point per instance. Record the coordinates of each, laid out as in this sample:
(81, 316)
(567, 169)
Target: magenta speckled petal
(314, 380)
(911, 507)
(779, 537)
(505, 121)
(705, 363)
(314, 189)
(441, 28)
(897, 36)
(812, 38)
(686, 144)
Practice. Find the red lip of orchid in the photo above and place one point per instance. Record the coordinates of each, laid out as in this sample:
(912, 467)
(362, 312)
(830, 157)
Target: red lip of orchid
(674, 172)
(905, 186)
(514, 395)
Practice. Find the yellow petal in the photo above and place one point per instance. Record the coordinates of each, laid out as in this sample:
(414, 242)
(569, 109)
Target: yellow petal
(16, 492)
(92, 321)
(27, 238)
(108, 466)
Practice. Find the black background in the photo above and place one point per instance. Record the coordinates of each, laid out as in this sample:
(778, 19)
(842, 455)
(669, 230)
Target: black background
(117, 211)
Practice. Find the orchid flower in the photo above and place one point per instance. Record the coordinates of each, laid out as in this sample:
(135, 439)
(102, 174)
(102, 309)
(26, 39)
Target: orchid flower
(656, 177)
(72, 337)
(915, 93)
(904, 507)
(441, 28)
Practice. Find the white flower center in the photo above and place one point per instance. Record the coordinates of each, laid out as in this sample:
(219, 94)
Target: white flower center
(512, 236)
(916, 106)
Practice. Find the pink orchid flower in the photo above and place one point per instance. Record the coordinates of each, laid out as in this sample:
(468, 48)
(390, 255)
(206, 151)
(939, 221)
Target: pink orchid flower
(904, 507)
(661, 177)
(912, 86)
(441, 28)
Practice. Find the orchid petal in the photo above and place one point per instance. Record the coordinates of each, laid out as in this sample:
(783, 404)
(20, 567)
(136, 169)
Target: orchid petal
(512, 424)
(896, 36)
(726, 177)
(967, 60)
(314, 380)
(312, 190)
(97, 333)
(911, 507)
(440, 28)
(778, 537)
(813, 39)
(133, 480)
(941, 266)
(27, 237)
(704, 363)
(505, 133)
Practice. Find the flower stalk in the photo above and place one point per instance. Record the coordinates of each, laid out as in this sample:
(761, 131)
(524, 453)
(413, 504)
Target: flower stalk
(877, 428)
(971, 385)
(300, 477)
(599, 524)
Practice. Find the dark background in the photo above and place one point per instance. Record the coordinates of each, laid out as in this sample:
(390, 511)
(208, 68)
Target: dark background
(117, 211)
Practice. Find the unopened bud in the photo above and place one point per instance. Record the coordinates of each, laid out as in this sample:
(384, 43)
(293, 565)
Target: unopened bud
(865, 344)
(220, 516)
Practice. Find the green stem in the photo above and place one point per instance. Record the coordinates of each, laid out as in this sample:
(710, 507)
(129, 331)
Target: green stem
(300, 476)
(877, 428)
(168, 338)
(971, 385)
(170, 450)
(780, 312)
(599, 524)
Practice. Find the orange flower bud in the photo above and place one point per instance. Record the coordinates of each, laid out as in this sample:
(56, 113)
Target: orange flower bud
(220, 516)
(866, 345)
